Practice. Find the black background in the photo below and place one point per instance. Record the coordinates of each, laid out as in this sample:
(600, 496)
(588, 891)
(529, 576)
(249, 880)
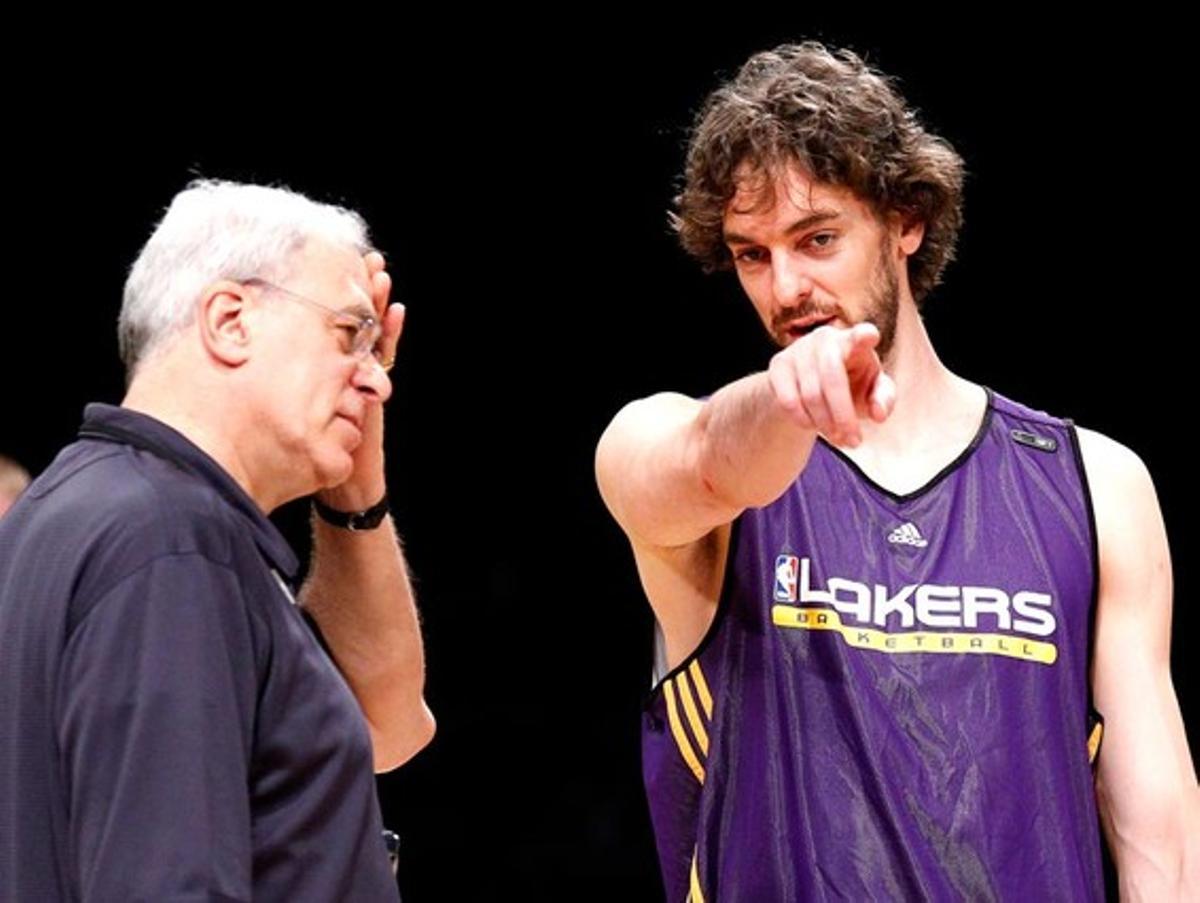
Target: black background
(517, 174)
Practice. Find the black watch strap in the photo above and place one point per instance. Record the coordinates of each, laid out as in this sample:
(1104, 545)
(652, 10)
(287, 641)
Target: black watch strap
(353, 520)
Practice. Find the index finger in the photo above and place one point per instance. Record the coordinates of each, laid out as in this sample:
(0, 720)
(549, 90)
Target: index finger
(381, 288)
(374, 261)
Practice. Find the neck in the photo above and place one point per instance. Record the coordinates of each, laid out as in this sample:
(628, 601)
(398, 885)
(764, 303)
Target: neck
(935, 409)
(171, 391)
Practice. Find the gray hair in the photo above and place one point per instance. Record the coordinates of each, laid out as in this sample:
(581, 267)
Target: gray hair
(219, 230)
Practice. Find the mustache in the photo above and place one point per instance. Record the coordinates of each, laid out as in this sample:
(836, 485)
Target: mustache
(787, 315)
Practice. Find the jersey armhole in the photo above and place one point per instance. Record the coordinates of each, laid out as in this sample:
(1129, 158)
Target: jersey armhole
(659, 674)
(1093, 715)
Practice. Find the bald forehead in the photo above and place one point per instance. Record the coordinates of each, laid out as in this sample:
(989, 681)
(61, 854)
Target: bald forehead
(315, 250)
(336, 269)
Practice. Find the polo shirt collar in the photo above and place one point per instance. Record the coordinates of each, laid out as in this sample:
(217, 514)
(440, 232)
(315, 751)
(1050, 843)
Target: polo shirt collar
(113, 424)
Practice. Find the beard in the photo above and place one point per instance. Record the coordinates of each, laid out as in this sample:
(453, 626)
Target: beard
(882, 307)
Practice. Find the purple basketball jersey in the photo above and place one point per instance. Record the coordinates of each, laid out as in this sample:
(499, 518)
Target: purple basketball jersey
(892, 702)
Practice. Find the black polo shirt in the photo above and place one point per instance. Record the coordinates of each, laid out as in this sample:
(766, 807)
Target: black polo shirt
(170, 729)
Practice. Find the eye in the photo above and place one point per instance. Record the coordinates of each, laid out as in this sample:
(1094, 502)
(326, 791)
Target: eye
(822, 240)
(749, 255)
(367, 339)
(347, 334)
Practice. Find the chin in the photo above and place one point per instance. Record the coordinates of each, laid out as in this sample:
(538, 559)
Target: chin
(333, 468)
(334, 478)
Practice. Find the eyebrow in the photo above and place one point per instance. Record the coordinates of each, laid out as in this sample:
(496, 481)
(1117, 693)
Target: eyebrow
(818, 216)
(361, 311)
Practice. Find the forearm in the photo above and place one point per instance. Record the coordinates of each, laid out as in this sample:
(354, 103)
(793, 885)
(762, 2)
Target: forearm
(1151, 809)
(361, 596)
(1163, 866)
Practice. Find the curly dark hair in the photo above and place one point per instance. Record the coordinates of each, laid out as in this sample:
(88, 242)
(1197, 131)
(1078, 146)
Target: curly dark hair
(843, 124)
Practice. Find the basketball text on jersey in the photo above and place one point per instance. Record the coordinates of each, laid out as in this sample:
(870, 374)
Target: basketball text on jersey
(960, 618)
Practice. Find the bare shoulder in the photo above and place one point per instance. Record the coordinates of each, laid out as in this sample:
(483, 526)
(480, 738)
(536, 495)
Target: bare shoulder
(1135, 567)
(1107, 460)
(631, 436)
(648, 473)
(1122, 490)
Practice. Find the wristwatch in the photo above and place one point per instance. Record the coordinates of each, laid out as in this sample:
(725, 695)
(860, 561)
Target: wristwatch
(353, 520)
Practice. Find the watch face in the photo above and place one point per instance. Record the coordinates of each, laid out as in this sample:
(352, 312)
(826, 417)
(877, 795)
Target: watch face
(371, 518)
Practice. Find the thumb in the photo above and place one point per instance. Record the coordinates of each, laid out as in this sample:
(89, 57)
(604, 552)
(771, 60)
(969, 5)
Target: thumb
(861, 338)
(882, 397)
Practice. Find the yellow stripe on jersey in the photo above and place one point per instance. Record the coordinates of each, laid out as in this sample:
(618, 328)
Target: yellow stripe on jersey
(693, 716)
(681, 739)
(695, 895)
(915, 641)
(701, 687)
(1093, 743)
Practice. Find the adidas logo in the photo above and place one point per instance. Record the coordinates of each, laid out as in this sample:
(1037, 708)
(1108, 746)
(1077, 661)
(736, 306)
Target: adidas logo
(907, 534)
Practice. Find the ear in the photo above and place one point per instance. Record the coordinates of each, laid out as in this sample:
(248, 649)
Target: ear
(912, 233)
(222, 319)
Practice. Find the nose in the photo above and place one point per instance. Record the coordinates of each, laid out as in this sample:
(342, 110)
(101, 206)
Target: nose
(372, 380)
(790, 280)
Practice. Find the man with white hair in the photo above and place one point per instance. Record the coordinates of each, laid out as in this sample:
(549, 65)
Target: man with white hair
(170, 726)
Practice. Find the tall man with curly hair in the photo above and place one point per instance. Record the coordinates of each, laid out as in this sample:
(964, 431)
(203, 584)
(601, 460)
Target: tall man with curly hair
(899, 614)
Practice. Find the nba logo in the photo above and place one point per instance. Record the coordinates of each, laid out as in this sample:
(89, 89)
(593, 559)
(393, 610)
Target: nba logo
(785, 578)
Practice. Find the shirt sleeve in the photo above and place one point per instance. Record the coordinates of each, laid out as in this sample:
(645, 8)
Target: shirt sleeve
(156, 702)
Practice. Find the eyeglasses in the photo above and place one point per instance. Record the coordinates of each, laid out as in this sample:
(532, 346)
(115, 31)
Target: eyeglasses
(360, 332)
